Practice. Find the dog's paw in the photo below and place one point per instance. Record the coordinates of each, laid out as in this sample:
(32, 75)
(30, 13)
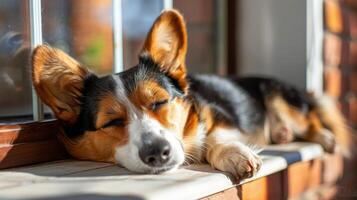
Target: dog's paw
(282, 135)
(235, 158)
(327, 140)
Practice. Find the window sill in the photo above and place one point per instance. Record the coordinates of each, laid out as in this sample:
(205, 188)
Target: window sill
(67, 179)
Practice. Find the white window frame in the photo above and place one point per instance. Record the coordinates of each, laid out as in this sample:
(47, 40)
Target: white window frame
(36, 39)
(314, 45)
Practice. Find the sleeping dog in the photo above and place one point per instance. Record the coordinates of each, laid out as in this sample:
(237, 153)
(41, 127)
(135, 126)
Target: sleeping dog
(154, 116)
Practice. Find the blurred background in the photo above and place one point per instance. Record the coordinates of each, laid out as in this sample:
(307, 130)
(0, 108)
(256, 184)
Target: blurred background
(311, 44)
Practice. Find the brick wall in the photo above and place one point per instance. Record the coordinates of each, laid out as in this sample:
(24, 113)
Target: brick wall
(340, 54)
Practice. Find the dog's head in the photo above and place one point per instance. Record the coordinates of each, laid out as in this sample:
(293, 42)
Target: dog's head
(135, 118)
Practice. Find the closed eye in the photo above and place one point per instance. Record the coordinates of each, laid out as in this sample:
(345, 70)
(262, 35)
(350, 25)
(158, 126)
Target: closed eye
(114, 122)
(156, 105)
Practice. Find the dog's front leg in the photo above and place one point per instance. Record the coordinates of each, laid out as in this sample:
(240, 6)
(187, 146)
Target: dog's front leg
(227, 152)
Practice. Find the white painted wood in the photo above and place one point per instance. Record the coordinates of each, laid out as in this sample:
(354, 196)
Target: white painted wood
(168, 4)
(314, 46)
(182, 184)
(60, 168)
(36, 39)
(71, 179)
(117, 36)
(307, 150)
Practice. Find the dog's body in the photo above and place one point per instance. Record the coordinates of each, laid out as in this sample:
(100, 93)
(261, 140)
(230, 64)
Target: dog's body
(153, 117)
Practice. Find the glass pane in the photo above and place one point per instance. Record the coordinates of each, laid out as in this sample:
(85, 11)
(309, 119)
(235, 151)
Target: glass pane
(200, 22)
(82, 28)
(15, 85)
(138, 16)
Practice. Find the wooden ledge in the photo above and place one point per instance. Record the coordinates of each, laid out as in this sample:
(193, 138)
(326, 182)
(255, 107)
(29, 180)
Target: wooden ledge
(68, 179)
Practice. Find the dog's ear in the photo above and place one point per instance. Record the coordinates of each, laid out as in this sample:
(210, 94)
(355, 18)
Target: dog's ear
(58, 80)
(166, 44)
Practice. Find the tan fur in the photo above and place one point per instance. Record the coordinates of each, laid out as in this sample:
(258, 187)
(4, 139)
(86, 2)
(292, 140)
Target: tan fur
(167, 44)
(206, 116)
(58, 80)
(100, 145)
(330, 115)
(288, 114)
(226, 151)
(97, 145)
(189, 135)
(109, 108)
(149, 92)
(310, 127)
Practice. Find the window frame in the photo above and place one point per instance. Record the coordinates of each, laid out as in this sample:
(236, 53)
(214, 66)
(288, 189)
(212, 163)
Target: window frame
(29, 143)
(36, 39)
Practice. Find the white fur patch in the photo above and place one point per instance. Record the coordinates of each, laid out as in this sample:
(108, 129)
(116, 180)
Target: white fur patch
(128, 155)
(223, 135)
(200, 146)
(227, 152)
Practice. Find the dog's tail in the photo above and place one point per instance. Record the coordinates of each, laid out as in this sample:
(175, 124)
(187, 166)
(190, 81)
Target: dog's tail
(332, 119)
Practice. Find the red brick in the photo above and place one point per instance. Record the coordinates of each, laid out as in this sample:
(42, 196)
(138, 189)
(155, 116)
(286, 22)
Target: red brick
(268, 187)
(302, 176)
(332, 50)
(352, 23)
(231, 193)
(333, 16)
(332, 81)
(353, 82)
(352, 61)
(345, 81)
(352, 101)
(350, 3)
(344, 107)
(345, 54)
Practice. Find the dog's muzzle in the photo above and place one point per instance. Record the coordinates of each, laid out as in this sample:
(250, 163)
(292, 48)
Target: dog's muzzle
(155, 151)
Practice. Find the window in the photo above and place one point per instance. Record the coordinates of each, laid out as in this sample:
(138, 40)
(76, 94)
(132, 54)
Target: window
(83, 29)
(104, 35)
(15, 85)
(135, 26)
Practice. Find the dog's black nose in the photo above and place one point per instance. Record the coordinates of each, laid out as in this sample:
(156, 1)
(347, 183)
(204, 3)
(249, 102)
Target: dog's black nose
(155, 151)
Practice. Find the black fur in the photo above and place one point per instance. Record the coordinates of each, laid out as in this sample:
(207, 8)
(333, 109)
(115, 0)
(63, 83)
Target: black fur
(260, 87)
(147, 69)
(241, 101)
(230, 102)
(95, 88)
